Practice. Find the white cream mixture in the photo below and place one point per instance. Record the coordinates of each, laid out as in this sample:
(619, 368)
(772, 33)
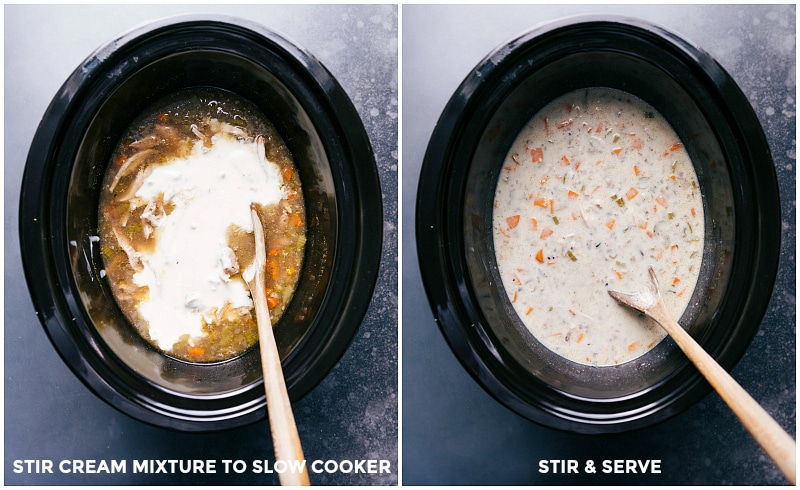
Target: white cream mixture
(596, 188)
(210, 190)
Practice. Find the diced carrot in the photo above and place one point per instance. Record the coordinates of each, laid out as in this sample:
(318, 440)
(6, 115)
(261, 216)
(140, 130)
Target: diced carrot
(537, 155)
(618, 273)
(512, 221)
(272, 268)
(633, 345)
(681, 292)
(273, 252)
(542, 202)
(610, 224)
(642, 225)
(580, 337)
(565, 160)
(546, 232)
(672, 177)
(637, 144)
(675, 280)
(272, 301)
(121, 160)
(572, 194)
(672, 148)
(662, 200)
(535, 224)
(540, 256)
(632, 192)
(196, 351)
(287, 173)
(694, 213)
(516, 280)
(163, 117)
(636, 170)
(649, 233)
(514, 299)
(530, 309)
(577, 165)
(297, 221)
(616, 150)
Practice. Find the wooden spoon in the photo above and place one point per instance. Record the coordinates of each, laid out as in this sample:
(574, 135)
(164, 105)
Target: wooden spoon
(778, 444)
(285, 438)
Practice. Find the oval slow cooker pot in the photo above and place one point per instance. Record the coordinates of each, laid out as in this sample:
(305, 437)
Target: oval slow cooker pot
(58, 217)
(454, 217)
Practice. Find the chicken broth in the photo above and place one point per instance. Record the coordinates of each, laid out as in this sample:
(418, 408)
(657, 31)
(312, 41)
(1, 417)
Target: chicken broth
(175, 226)
(596, 188)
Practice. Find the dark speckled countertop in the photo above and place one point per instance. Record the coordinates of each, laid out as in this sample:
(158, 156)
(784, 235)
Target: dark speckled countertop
(49, 414)
(455, 433)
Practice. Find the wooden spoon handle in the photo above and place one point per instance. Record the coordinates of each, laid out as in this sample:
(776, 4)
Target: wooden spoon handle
(775, 441)
(285, 438)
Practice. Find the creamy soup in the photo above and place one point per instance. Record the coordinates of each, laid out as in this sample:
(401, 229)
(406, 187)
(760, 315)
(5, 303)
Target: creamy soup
(596, 188)
(176, 230)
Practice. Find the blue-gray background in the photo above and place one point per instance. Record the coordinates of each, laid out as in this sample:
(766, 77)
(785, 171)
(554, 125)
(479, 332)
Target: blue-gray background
(455, 433)
(49, 414)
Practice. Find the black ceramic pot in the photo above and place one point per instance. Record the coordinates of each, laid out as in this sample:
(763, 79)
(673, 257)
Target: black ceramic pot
(58, 217)
(454, 218)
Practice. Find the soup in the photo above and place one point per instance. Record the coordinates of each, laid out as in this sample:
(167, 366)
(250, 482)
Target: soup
(175, 227)
(594, 189)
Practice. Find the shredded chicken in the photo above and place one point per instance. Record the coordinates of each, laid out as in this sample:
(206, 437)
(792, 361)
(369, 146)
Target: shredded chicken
(130, 165)
(134, 257)
(136, 184)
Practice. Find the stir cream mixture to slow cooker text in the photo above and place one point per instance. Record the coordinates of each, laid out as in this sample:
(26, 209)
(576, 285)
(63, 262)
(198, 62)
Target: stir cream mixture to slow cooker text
(596, 188)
